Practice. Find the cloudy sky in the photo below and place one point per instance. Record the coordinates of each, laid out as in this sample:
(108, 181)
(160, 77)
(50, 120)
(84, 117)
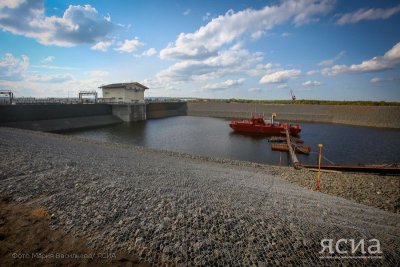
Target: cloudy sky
(326, 49)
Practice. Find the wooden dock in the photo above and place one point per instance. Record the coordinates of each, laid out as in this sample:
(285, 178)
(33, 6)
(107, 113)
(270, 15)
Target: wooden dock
(297, 149)
(292, 149)
(296, 163)
(281, 139)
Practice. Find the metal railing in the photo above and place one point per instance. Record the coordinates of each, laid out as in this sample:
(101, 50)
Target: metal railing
(51, 100)
(57, 100)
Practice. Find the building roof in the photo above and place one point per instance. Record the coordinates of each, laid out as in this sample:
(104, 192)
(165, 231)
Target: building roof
(119, 85)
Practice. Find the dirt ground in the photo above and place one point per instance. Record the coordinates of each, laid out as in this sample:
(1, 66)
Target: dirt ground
(27, 240)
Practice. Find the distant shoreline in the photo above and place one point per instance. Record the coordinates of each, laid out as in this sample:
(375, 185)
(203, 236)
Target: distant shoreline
(300, 102)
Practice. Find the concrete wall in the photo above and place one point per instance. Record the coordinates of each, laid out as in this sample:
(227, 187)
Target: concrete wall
(53, 117)
(117, 94)
(375, 116)
(123, 95)
(131, 95)
(56, 125)
(129, 112)
(56, 117)
(161, 110)
(14, 113)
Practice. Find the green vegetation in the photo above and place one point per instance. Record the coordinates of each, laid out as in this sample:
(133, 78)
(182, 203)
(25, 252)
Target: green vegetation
(300, 102)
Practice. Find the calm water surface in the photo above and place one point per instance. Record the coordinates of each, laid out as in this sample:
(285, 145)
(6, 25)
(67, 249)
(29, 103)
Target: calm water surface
(343, 144)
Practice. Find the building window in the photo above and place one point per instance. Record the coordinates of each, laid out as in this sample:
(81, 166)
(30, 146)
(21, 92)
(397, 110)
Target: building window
(120, 98)
(106, 93)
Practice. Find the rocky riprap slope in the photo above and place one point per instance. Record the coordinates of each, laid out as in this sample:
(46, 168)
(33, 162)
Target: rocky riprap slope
(179, 209)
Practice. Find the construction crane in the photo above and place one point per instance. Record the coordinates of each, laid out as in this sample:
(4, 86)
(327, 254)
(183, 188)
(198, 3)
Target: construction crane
(293, 96)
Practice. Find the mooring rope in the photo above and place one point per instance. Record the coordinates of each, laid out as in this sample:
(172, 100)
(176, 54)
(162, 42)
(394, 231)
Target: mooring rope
(325, 158)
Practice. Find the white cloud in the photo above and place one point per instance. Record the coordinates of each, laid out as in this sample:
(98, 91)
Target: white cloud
(102, 45)
(312, 72)
(389, 60)
(286, 34)
(48, 59)
(257, 35)
(50, 85)
(254, 90)
(282, 86)
(56, 85)
(206, 16)
(150, 52)
(222, 85)
(238, 46)
(107, 17)
(311, 83)
(378, 80)
(335, 70)
(10, 3)
(280, 76)
(15, 70)
(12, 68)
(56, 78)
(226, 28)
(368, 14)
(129, 46)
(78, 25)
(51, 67)
(262, 69)
(225, 62)
(186, 12)
(15, 74)
(331, 61)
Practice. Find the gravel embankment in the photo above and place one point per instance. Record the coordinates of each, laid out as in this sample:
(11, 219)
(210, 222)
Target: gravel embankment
(372, 116)
(382, 191)
(172, 208)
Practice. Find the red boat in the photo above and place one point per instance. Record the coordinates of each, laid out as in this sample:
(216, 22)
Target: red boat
(257, 124)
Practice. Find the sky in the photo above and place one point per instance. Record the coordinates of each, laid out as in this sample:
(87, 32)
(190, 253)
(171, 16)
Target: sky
(260, 49)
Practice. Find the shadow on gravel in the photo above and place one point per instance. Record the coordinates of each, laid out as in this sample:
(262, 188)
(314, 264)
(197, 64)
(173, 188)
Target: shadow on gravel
(27, 240)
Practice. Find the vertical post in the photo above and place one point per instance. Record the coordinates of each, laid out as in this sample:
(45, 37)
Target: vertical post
(318, 184)
(295, 161)
(273, 115)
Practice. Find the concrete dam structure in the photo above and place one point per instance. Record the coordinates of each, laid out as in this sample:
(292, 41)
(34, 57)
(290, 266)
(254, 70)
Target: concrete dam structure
(61, 117)
(129, 112)
(373, 116)
(141, 111)
(166, 109)
(56, 117)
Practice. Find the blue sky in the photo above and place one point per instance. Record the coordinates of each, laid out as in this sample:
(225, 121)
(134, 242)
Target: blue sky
(327, 49)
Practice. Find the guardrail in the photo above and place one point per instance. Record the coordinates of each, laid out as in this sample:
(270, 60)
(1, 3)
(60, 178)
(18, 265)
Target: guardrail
(35, 101)
(51, 100)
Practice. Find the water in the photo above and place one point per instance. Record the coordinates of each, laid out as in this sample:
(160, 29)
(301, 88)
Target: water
(343, 144)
